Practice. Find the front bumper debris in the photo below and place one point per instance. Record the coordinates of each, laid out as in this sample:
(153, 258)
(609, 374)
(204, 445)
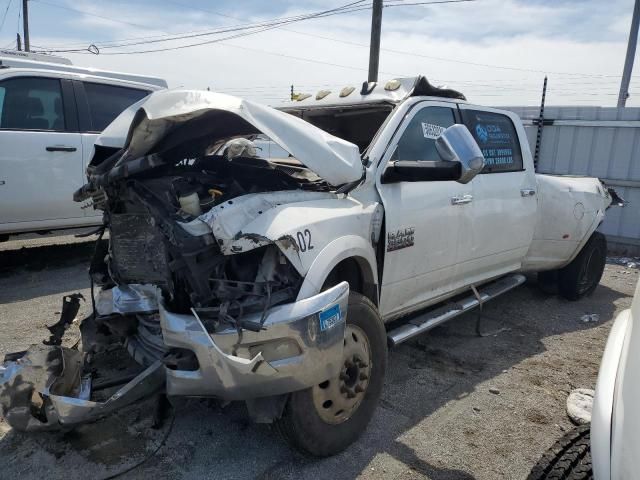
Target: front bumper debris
(300, 345)
(44, 389)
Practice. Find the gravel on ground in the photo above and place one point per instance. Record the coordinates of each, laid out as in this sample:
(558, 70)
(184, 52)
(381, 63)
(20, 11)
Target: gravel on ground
(455, 406)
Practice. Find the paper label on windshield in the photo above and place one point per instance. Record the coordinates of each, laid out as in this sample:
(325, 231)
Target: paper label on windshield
(431, 131)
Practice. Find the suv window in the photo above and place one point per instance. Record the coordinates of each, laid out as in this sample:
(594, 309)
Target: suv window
(31, 103)
(418, 142)
(497, 138)
(106, 102)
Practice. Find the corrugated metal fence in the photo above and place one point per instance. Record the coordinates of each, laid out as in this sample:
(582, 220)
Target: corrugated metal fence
(600, 142)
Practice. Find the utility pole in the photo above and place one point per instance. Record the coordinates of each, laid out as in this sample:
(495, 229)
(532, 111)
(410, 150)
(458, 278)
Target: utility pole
(631, 53)
(374, 48)
(25, 25)
(18, 42)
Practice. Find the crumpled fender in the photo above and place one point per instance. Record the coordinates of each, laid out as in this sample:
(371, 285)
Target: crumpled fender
(300, 223)
(569, 211)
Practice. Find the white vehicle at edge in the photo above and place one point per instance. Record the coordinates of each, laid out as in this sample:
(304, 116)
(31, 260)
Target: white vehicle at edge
(271, 280)
(50, 114)
(607, 448)
(615, 421)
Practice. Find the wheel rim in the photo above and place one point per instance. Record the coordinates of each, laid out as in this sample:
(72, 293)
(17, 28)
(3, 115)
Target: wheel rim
(588, 272)
(338, 398)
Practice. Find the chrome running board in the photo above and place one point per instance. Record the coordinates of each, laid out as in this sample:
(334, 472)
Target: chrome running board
(426, 321)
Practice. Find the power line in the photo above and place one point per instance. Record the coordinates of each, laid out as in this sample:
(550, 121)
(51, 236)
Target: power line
(413, 54)
(64, 7)
(4, 17)
(425, 3)
(178, 35)
(217, 40)
(260, 27)
(293, 57)
(265, 26)
(256, 27)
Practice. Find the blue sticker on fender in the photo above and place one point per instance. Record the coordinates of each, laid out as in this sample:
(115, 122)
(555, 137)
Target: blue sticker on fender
(330, 317)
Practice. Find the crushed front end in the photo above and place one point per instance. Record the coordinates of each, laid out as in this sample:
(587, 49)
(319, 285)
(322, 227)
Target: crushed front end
(179, 306)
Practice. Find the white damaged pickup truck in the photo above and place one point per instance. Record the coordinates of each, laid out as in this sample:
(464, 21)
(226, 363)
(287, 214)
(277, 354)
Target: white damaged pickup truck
(234, 274)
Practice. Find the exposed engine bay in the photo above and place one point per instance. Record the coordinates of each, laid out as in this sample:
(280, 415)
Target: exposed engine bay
(148, 245)
(151, 251)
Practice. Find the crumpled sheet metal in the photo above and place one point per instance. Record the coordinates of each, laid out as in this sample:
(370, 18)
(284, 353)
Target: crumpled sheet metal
(73, 411)
(148, 126)
(23, 381)
(41, 390)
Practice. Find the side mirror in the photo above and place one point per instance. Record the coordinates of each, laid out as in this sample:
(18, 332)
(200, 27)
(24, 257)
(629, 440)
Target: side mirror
(456, 144)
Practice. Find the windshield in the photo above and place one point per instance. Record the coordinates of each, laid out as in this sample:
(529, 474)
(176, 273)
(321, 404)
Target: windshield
(357, 125)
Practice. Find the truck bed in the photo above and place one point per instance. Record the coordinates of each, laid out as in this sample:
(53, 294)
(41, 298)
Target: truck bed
(569, 211)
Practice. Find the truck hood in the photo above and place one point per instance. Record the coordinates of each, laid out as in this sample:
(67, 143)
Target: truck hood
(193, 120)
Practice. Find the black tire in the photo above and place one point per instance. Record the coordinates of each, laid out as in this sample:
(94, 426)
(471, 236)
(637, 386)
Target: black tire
(548, 282)
(568, 459)
(582, 275)
(302, 426)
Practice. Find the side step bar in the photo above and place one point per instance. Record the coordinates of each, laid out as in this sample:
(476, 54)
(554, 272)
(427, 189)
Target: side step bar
(426, 321)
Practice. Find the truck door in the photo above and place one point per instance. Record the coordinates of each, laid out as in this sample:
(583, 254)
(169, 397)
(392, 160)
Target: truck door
(40, 151)
(497, 229)
(422, 219)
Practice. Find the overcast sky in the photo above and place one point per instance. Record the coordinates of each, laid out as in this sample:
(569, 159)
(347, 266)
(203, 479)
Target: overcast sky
(495, 51)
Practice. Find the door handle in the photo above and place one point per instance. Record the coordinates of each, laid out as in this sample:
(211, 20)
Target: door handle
(461, 199)
(527, 192)
(60, 148)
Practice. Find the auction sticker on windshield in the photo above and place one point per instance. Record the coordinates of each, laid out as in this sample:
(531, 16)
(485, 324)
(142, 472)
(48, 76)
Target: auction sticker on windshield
(432, 131)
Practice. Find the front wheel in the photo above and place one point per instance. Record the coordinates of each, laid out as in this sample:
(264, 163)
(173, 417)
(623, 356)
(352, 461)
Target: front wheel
(582, 275)
(326, 418)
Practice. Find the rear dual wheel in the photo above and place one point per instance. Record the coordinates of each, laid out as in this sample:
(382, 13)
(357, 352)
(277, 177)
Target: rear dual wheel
(581, 277)
(326, 418)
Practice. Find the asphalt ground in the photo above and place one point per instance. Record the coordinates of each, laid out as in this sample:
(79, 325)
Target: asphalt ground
(455, 405)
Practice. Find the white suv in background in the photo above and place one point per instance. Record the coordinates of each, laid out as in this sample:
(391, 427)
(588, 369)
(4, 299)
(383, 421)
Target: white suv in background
(50, 114)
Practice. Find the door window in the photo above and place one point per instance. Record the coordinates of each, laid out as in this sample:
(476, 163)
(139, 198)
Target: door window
(418, 141)
(106, 102)
(497, 138)
(31, 104)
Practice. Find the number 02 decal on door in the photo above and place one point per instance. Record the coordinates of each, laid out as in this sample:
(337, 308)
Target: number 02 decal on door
(304, 240)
